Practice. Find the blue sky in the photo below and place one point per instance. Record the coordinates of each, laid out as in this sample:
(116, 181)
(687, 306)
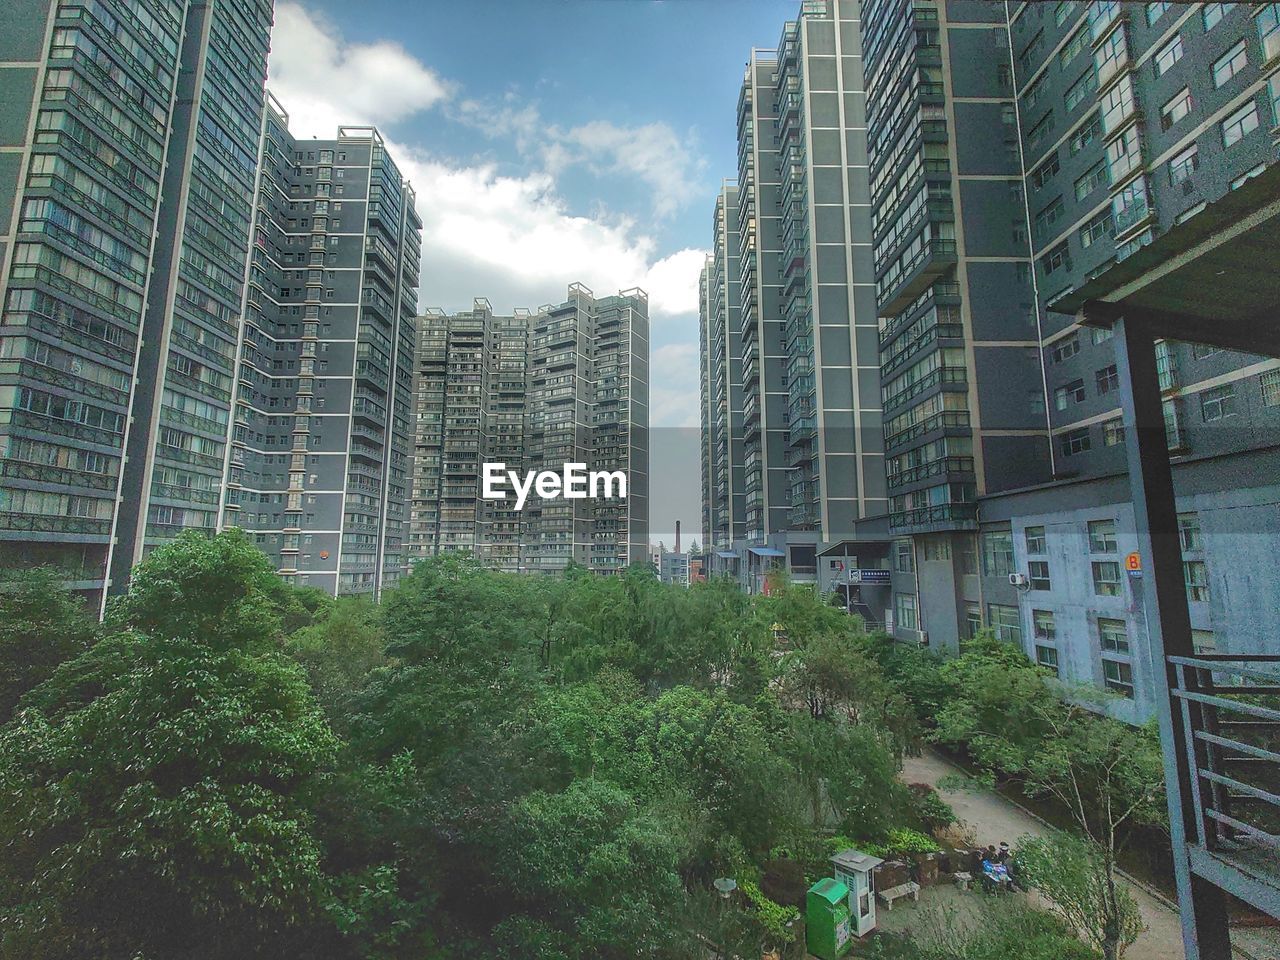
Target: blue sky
(549, 142)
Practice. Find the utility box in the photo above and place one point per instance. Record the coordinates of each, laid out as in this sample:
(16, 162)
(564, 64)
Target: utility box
(828, 924)
(855, 870)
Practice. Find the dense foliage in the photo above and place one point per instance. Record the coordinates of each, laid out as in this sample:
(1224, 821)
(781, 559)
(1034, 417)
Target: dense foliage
(483, 765)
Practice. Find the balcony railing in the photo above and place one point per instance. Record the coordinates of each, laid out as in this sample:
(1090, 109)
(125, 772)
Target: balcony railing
(1231, 723)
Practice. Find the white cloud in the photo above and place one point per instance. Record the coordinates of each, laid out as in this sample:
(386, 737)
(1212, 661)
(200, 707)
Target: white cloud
(324, 81)
(652, 153)
(510, 238)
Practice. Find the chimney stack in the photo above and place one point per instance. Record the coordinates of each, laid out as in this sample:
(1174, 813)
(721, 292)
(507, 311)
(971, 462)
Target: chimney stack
(677, 536)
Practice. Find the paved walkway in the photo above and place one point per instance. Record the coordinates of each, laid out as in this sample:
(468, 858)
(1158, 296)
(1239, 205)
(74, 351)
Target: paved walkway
(994, 819)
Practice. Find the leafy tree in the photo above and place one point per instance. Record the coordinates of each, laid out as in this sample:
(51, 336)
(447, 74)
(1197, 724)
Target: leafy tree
(220, 591)
(339, 651)
(41, 626)
(1073, 873)
(152, 801)
(1108, 776)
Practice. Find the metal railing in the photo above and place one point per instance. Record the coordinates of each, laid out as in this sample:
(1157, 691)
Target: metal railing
(1230, 714)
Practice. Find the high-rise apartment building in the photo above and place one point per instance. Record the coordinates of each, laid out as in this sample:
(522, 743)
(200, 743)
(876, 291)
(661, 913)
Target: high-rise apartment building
(318, 466)
(195, 333)
(127, 173)
(963, 393)
(724, 517)
(534, 391)
(1133, 116)
(812, 443)
(1016, 152)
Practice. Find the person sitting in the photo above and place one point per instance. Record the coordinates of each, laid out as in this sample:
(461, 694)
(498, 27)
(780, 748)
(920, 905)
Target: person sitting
(1002, 855)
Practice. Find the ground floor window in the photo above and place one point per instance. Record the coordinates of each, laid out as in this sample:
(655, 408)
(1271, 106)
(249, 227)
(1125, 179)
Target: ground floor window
(1005, 623)
(1047, 657)
(905, 608)
(1118, 676)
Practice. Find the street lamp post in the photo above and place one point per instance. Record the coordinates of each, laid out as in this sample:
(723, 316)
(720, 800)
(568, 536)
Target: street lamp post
(725, 887)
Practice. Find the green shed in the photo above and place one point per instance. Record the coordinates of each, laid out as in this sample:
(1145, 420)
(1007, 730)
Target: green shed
(828, 933)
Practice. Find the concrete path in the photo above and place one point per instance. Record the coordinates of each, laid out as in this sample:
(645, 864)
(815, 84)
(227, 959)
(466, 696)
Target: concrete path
(994, 819)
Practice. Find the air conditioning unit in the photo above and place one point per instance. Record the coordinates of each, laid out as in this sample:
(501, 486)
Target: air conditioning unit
(1018, 579)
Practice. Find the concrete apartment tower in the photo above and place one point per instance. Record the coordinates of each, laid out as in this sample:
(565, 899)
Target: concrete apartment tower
(1133, 117)
(126, 197)
(963, 393)
(535, 391)
(318, 465)
(720, 314)
(813, 453)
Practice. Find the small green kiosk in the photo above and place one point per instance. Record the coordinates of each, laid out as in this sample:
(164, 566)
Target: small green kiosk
(828, 926)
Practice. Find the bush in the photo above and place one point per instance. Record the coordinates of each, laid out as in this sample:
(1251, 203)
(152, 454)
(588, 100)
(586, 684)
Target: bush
(931, 810)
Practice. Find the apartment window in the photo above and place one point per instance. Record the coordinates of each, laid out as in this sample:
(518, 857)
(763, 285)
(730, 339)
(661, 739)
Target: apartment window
(1169, 54)
(1240, 124)
(1039, 571)
(1049, 215)
(936, 549)
(1102, 536)
(905, 608)
(1229, 64)
(1072, 392)
(1155, 11)
(1081, 89)
(1112, 636)
(997, 553)
(1047, 657)
(1044, 173)
(1073, 47)
(1085, 134)
(1107, 379)
(1177, 108)
(1101, 334)
(1118, 676)
(1033, 538)
(1093, 178)
(1269, 383)
(1062, 12)
(1212, 13)
(1005, 623)
(1113, 432)
(1056, 258)
(1033, 94)
(1097, 227)
(903, 561)
(1106, 578)
(1189, 532)
(1037, 134)
(1218, 403)
(1268, 20)
(1196, 575)
(1074, 441)
(1184, 165)
(967, 551)
(973, 619)
(1066, 348)
(1042, 625)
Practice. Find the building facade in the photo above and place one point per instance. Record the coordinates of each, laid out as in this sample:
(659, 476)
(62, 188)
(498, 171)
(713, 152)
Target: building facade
(724, 497)
(190, 341)
(1133, 117)
(534, 391)
(812, 444)
(318, 465)
(126, 195)
(1016, 151)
